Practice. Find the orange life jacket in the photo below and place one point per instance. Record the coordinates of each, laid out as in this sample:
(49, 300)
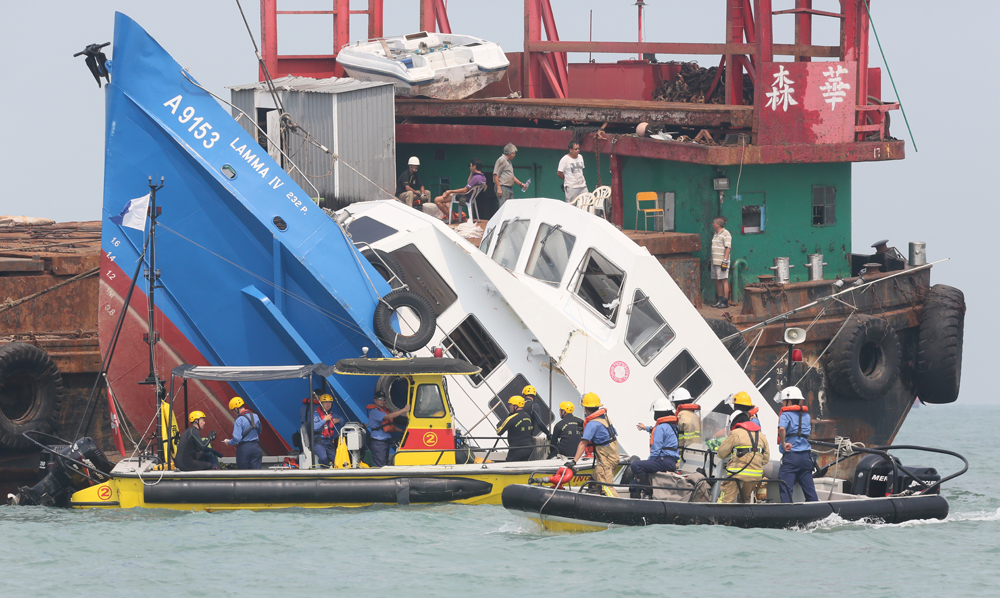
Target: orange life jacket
(688, 407)
(602, 412)
(794, 408)
(753, 412)
(670, 419)
(386, 427)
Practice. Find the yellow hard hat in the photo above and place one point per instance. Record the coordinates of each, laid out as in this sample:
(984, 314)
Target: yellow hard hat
(530, 390)
(591, 400)
(325, 398)
(742, 398)
(236, 403)
(516, 400)
(195, 415)
(567, 406)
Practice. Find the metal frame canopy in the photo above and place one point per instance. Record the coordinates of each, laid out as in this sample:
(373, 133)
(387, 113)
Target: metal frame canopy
(250, 373)
(405, 367)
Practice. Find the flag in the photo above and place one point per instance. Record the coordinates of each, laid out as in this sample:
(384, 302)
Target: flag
(133, 214)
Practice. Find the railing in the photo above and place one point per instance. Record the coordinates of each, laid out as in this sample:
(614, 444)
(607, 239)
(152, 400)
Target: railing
(881, 126)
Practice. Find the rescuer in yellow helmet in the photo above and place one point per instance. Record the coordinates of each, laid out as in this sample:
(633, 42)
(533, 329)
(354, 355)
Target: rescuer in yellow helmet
(540, 415)
(568, 431)
(325, 432)
(246, 435)
(520, 430)
(742, 403)
(193, 453)
(599, 434)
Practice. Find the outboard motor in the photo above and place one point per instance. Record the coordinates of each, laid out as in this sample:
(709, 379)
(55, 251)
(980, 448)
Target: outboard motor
(353, 434)
(874, 477)
(64, 477)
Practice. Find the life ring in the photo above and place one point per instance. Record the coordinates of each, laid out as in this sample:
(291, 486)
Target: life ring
(31, 393)
(737, 346)
(420, 307)
(387, 266)
(863, 361)
(939, 349)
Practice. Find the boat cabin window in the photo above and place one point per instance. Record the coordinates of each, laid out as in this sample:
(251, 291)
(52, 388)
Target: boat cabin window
(498, 404)
(471, 342)
(600, 285)
(647, 332)
(550, 254)
(424, 279)
(484, 245)
(683, 371)
(509, 242)
(368, 230)
(429, 402)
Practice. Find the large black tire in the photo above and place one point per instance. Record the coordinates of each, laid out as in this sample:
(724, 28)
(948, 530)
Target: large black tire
(864, 360)
(31, 393)
(737, 346)
(939, 350)
(383, 320)
(386, 265)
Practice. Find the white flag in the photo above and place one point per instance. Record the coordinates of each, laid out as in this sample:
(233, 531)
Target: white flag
(134, 213)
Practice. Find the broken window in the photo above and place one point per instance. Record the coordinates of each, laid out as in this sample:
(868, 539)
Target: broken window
(471, 342)
(753, 220)
(824, 205)
(647, 332)
(509, 242)
(600, 285)
(550, 255)
(423, 279)
(683, 371)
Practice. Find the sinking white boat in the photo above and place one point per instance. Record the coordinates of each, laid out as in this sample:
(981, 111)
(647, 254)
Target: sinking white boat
(436, 65)
(555, 286)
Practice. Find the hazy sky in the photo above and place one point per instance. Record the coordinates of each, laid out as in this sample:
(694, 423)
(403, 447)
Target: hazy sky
(52, 161)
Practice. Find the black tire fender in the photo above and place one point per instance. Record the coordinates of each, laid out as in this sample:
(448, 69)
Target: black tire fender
(864, 359)
(387, 266)
(939, 348)
(31, 393)
(736, 346)
(419, 305)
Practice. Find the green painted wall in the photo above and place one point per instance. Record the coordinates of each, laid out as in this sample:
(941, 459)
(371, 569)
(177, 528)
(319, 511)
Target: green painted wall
(785, 191)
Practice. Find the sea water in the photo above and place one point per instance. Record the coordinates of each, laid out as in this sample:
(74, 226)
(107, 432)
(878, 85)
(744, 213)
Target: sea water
(456, 550)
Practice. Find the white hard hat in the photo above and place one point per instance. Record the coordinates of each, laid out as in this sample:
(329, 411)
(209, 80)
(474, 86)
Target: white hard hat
(791, 393)
(661, 404)
(680, 396)
(414, 161)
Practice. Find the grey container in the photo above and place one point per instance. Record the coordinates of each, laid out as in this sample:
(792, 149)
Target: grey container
(918, 253)
(353, 119)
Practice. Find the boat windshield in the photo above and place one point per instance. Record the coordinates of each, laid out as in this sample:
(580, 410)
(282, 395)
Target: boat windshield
(428, 402)
(683, 371)
(550, 254)
(647, 332)
(484, 245)
(600, 285)
(509, 242)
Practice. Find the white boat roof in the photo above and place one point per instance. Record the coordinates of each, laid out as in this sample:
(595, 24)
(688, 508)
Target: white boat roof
(331, 85)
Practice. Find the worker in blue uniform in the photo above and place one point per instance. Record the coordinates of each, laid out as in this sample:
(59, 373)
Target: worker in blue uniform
(794, 427)
(380, 426)
(246, 436)
(663, 447)
(600, 436)
(325, 432)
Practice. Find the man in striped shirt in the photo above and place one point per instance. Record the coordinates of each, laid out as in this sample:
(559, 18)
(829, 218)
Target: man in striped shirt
(722, 242)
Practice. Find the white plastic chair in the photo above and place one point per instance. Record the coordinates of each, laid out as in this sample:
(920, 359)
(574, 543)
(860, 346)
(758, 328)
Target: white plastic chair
(601, 196)
(583, 200)
(470, 200)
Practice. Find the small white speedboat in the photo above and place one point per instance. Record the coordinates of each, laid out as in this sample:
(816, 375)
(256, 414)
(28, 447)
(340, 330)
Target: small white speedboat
(436, 65)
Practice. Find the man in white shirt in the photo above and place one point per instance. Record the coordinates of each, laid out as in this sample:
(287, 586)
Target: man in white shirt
(571, 172)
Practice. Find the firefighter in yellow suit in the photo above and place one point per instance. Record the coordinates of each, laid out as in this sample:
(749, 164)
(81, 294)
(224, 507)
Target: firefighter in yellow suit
(746, 447)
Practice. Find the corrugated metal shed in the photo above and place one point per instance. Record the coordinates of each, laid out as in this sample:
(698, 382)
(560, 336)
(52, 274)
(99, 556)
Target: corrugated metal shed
(353, 119)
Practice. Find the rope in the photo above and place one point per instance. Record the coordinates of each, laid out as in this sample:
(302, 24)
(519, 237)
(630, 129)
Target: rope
(891, 80)
(12, 304)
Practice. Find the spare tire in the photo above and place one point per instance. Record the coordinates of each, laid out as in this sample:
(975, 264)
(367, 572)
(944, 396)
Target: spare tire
(736, 346)
(420, 307)
(863, 361)
(939, 350)
(386, 265)
(31, 393)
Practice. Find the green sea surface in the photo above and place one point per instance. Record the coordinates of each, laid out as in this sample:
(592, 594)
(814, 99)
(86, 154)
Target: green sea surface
(456, 550)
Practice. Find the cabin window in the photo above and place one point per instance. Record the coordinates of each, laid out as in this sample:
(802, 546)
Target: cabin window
(484, 245)
(514, 387)
(753, 220)
(471, 342)
(600, 285)
(368, 230)
(509, 242)
(647, 332)
(683, 371)
(550, 254)
(424, 279)
(429, 402)
(824, 205)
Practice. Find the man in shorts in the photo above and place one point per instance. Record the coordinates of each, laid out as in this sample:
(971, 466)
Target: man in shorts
(570, 170)
(722, 243)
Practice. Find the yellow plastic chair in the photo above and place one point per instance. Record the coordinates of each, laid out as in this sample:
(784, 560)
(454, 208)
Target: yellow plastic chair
(655, 212)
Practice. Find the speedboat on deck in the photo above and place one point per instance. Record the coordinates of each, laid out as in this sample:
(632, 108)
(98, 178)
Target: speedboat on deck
(436, 65)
